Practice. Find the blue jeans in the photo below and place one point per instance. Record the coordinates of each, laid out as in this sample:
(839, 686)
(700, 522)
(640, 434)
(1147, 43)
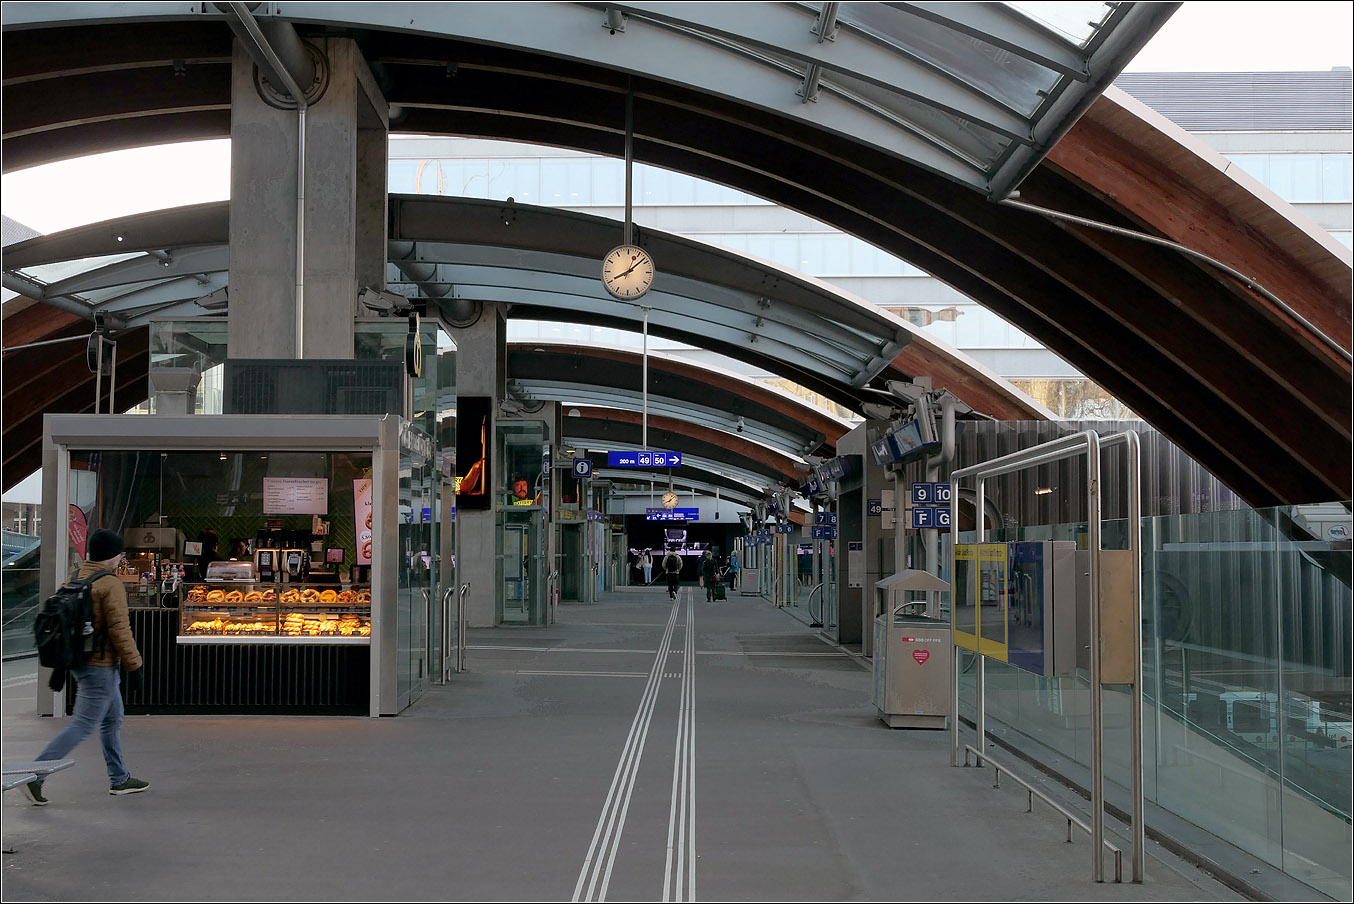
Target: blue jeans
(97, 705)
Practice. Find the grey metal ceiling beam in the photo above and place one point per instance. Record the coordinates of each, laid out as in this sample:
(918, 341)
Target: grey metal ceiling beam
(31, 289)
(1003, 27)
(787, 30)
(672, 309)
(573, 32)
(200, 260)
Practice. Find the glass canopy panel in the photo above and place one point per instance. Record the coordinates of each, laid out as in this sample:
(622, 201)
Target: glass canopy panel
(51, 273)
(1077, 21)
(1007, 78)
(967, 140)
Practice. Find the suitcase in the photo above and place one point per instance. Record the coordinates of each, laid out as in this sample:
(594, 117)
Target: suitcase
(719, 592)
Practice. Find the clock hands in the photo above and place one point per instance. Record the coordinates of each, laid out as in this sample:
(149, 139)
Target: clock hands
(627, 272)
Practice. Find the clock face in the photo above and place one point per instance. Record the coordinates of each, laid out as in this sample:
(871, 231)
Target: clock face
(669, 500)
(627, 271)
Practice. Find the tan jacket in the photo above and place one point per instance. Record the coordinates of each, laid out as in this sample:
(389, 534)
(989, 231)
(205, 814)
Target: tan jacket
(110, 616)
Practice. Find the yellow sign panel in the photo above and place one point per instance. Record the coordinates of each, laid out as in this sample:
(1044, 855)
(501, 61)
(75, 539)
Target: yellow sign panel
(979, 603)
(992, 600)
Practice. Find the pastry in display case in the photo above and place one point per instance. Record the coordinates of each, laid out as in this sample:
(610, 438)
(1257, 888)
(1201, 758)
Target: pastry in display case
(275, 611)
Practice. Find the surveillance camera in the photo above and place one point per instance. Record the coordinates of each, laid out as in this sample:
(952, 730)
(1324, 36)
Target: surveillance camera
(912, 392)
(879, 412)
(740, 425)
(384, 303)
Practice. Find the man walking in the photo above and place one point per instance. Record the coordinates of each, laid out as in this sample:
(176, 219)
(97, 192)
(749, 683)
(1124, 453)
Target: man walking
(672, 567)
(98, 704)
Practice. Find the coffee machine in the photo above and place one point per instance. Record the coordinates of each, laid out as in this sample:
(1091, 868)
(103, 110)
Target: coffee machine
(268, 563)
(295, 565)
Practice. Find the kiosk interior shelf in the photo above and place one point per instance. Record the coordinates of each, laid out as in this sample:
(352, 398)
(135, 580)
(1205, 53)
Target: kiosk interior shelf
(269, 613)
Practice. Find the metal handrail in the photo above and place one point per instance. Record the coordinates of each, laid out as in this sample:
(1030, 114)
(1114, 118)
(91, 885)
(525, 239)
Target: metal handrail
(1035, 792)
(1088, 444)
(808, 603)
(448, 658)
(460, 627)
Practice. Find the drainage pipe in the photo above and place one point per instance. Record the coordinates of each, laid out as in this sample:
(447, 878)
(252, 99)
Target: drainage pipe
(264, 55)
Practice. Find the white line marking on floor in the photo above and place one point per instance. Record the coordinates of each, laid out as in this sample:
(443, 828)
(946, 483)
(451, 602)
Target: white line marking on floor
(584, 674)
(611, 822)
(682, 809)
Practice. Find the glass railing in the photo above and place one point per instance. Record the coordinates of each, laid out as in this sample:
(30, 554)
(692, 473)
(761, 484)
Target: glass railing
(20, 592)
(1246, 679)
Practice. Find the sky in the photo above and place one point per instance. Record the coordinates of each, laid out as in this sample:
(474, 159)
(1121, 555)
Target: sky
(1200, 37)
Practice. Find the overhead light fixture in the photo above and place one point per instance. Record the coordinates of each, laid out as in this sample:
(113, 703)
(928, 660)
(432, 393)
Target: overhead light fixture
(1043, 491)
(223, 456)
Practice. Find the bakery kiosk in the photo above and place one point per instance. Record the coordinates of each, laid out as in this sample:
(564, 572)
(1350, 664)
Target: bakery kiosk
(324, 606)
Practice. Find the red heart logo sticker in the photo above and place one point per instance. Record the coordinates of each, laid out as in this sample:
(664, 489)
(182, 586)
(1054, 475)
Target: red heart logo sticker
(921, 656)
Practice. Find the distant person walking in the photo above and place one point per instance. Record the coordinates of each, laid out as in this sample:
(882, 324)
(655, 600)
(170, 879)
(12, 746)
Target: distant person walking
(672, 567)
(98, 704)
(709, 575)
(733, 571)
(646, 563)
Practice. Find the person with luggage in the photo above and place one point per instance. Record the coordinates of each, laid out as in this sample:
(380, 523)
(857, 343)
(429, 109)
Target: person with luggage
(709, 575)
(672, 568)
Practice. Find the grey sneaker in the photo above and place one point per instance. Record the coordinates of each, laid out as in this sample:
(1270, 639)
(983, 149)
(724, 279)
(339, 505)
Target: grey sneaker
(131, 786)
(33, 791)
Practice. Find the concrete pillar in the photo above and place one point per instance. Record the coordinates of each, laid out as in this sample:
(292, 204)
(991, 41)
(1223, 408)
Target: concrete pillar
(345, 209)
(481, 370)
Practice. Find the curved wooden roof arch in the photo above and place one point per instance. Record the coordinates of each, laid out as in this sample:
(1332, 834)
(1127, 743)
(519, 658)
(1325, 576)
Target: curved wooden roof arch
(1230, 376)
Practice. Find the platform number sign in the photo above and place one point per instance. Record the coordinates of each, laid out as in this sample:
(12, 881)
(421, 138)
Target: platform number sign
(931, 493)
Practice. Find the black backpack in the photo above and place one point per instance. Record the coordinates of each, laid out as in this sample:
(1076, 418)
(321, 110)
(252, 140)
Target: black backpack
(64, 627)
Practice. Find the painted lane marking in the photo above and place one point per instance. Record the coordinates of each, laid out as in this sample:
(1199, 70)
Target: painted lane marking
(611, 821)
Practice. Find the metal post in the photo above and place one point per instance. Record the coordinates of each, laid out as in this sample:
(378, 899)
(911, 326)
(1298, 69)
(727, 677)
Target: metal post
(954, 648)
(1133, 456)
(98, 375)
(113, 380)
(980, 705)
(629, 164)
(1097, 717)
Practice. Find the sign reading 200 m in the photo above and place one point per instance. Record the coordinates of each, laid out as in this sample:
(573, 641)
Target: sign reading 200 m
(643, 459)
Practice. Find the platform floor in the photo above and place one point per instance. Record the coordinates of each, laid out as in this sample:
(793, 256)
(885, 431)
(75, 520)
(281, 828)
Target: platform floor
(636, 750)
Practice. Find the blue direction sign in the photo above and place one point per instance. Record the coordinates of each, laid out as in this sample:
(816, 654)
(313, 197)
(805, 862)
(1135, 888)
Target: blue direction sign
(677, 514)
(931, 516)
(763, 535)
(925, 492)
(646, 458)
(824, 532)
(825, 518)
(582, 467)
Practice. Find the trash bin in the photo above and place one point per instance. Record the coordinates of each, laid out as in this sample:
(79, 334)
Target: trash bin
(912, 664)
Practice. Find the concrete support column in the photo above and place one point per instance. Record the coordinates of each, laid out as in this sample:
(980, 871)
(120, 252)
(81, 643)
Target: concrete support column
(481, 370)
(344, 212)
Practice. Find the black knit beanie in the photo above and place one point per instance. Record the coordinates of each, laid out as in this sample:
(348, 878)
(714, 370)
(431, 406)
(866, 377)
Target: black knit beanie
(104, 544)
